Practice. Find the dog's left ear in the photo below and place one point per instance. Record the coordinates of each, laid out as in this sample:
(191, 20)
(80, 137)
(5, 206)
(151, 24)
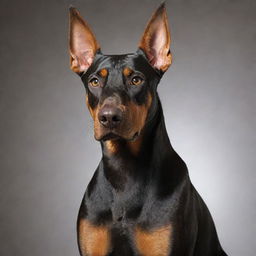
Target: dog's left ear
(82, 43)
(156, 40)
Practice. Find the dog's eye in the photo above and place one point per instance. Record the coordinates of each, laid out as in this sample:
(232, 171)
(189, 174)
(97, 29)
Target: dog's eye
(94, 82)
(136, 80)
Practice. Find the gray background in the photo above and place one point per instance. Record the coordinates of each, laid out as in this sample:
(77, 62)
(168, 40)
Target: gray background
(48, 153)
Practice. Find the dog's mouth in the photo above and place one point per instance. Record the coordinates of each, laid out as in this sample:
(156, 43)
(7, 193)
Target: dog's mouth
(114, 136)
(110, 136)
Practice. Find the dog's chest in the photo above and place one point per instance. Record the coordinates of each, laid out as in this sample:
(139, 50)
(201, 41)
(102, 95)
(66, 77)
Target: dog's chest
(133, 230)
(127, 205)
(138, 225)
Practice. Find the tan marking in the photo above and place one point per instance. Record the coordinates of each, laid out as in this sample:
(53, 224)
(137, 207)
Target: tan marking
(94, 114)
(97, 125)
(154, 243)
(127, 71)
(139, 115)
(93, 240)
(112, 146)
(135, 145)
(103, 72)
(89, 107)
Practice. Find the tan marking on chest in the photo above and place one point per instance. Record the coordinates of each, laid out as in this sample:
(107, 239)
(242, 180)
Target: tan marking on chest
(154, 243)
(93, 240)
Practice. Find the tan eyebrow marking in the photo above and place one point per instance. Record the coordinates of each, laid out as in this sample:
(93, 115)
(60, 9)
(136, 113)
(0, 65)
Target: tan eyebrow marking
(103, 72)
(127, 71)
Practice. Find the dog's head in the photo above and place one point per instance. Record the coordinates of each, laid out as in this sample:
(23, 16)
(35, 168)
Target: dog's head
(121, 89)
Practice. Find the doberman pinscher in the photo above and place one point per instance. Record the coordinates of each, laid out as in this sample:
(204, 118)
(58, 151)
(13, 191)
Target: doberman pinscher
(140, 200)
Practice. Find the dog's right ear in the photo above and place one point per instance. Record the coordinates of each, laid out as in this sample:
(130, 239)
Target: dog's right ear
(82, 43)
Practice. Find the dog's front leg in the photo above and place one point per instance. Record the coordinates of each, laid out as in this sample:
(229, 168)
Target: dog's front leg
(93, 240)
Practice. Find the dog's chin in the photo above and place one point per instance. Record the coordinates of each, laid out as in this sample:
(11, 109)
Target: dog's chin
(110, 136)
(115, 136)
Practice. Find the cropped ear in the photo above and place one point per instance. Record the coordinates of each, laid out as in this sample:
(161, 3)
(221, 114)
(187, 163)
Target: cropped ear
(82, 43)
(156, 40)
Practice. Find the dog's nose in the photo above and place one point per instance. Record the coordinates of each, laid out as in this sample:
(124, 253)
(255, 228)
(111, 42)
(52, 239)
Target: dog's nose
(110, 117)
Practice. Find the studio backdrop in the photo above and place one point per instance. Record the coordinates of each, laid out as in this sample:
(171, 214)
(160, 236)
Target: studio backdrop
(47, 150)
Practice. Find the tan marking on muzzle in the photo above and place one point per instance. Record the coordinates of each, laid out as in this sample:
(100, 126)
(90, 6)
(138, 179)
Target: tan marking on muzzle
(139, 117)
(94, 114)
(89, 107)
(139, 113)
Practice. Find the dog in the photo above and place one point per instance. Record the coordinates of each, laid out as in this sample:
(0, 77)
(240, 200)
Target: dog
(140, 200)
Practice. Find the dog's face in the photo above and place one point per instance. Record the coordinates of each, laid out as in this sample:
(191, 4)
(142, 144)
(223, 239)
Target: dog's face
(120, 89)
(119, 94)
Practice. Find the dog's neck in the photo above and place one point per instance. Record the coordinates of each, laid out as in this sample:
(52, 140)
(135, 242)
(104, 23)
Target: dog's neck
(137, 159)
